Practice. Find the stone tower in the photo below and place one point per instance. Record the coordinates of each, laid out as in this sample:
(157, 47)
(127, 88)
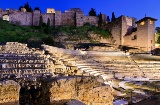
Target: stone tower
(146, 33)
(79, 18)
(36, 17)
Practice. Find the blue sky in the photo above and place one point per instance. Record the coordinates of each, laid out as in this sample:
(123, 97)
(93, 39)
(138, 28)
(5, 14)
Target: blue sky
(132, 8)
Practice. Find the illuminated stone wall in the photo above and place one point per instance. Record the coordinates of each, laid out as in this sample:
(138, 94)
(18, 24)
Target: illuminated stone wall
(145, 38)
(85, 89)
(115, 29)
(145, 34)
(50, 10)
(123, 34)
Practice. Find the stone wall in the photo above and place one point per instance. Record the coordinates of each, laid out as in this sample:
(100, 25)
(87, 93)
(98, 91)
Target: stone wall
(17, 60)
(130, 38)
(51, 16)
(50, 10)
(115, 29)
(9, 93)
(151, 35)
(143, 38)
(58, 17)
(21, 18)
(143, 34)
(91, 19)
(72, 17)
(84, 89)
(0, 13)
(68, 18)
(36, 18)
(79, 18)
(104, 18)
(126, 27)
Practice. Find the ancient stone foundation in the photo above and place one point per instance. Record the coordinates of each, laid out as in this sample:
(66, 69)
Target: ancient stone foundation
(9, 93)
(85, 89)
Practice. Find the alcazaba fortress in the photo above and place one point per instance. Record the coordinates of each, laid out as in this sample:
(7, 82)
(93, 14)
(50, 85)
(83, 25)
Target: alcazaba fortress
(126, 31)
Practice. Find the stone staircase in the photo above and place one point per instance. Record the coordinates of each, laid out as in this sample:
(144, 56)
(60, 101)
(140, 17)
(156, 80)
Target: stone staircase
(19, 61)
(107, 65)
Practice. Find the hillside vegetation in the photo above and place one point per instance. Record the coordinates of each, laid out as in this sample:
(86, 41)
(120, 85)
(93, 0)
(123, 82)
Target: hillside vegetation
(33, 35)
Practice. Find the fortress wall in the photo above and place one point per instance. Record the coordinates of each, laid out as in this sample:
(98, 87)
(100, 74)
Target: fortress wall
(21, 18)
(0, 13)
(5, 12)
(126, 27)
(146, 35)
(36, 17)
(115, 29)
(91, 19)
(142, 37)
(58, 16)
(151, 36)
(79, 18)
(104, 18)
(68, 18)
(51, 16)
(130, 41)
(50, 10)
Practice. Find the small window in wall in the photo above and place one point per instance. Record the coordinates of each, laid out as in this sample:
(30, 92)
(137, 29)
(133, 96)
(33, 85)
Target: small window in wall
(151, 22)
(142, 23)
(134, 37)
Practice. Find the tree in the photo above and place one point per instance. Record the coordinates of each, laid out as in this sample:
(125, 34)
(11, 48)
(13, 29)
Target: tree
(158, 38)
(100, 21)
(113, 17)
(27, 7)
(48, 26)
(36, 8)
(20, 7)
(92, 12)
(40, 22)
(108, 19)
(157, 29)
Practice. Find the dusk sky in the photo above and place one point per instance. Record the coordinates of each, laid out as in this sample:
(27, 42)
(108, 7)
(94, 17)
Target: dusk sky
(132, 8)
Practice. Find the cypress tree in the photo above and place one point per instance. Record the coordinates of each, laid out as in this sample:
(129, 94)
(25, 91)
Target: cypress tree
(48, 25)
(100, 21)
(113, 17)
(92, 12)
(108, 19)
(27, 7)
(40, 22)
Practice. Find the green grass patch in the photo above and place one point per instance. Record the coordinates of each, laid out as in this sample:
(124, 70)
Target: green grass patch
(33, 34)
